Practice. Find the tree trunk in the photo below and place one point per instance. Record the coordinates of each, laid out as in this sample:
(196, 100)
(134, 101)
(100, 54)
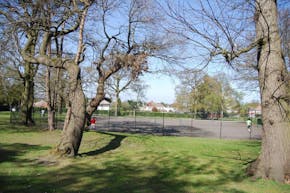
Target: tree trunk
(75, 117)
(60, 94)
(76, 112)
(27, 98)
(117, 104)
(274, 160)
(51, 119)
(94, 103)
(50, 101)
(50, 95)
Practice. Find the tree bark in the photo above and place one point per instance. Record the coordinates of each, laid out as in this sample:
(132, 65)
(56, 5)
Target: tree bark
(274, 160)
(75, 117)
(76, 111)
(50, 118)
(117, 105)
(50, 101)
(27, 98)
(94, 103)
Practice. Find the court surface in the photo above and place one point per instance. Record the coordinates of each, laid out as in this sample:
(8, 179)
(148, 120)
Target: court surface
(179, 127)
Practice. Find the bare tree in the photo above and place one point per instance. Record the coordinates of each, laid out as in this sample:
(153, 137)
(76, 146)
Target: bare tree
(139, 87)
(54, 82)
(39, 30)
(10, 80)
(274, 161)
(284, 26)
(124, 49)
(117, 84)
(122, 46)
(230, 25)
(247, 74)
(11, 12)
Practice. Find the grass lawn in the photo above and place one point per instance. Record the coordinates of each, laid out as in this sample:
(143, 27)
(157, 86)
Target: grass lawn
(117, 162)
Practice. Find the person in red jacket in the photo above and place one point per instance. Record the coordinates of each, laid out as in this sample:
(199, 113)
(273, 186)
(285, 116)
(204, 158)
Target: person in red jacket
(93, 123)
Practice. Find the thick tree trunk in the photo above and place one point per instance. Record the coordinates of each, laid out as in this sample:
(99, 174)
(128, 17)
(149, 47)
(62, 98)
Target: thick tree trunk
(274, 160)
(76, 112)
(94, 103)
(75, 117)
(27, 98)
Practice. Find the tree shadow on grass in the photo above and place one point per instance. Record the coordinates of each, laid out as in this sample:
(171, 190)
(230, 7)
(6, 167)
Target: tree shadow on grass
(10, 152)
(148, 172)
(125, 175)
(114, 144)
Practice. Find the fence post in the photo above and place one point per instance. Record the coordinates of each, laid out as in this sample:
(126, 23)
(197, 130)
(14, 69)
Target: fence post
(109, 119)
(163, 126)
(221, 124)
(135, 118)
(11, 116)
(191, 123)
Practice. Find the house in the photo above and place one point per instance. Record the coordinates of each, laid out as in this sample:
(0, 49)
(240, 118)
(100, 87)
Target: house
(40, 104)
(254, 112)
(152, 106)
(104, 105)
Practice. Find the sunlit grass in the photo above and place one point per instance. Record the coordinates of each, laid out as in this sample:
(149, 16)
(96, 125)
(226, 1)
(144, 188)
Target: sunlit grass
(118, 162)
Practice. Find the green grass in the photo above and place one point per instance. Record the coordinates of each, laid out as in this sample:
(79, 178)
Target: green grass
(116, 162)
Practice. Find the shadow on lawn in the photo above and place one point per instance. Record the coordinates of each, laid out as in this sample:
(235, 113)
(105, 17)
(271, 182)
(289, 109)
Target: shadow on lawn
(116, 177)
(151, 173)
(9, 152)
(114, 144)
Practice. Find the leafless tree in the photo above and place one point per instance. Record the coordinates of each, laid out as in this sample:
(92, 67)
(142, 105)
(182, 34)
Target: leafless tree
(29, 70)
(118, 83)
(139, 87)
(125, 44)
(10, 74)
(34, 21)
(117, 46)
(284, 26)
(54, 82)
(222, 28)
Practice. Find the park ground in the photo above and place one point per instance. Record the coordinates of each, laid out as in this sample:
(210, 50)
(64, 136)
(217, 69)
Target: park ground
(120, 162)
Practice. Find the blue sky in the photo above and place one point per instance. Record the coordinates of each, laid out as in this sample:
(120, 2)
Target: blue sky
(161, 87)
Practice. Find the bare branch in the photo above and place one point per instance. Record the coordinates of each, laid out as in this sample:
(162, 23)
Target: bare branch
(81, 47)
(231, 55)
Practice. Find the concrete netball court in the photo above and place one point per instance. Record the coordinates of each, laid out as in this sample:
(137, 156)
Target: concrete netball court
(179, 127)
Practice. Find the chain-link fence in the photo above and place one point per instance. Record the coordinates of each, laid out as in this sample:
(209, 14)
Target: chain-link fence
(39, 117)
(167, 124)
(172, 124)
